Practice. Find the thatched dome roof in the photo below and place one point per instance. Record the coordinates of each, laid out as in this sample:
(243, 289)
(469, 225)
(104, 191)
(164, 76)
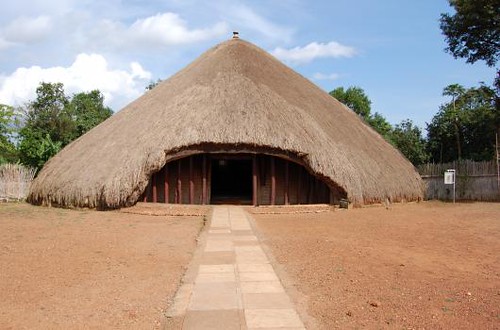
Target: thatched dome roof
(234, 94)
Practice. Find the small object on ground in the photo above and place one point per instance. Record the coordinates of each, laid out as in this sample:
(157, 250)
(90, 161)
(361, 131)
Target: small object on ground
(375, 303)
(344, 203)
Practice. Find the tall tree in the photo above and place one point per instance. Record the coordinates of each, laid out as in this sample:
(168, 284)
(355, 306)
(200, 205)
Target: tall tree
(409, 140)
(87, 110)
(465, 126)
(53, 120)
(8, 152)
(47, 113)
(455, 91)
(473, 32)
(381, 125)
(355, 98)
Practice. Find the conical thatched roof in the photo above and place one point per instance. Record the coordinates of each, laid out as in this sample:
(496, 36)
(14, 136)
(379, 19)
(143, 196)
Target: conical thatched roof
(234, 94)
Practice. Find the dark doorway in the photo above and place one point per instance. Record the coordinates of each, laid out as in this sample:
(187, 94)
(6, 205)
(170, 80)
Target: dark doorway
(231, 181)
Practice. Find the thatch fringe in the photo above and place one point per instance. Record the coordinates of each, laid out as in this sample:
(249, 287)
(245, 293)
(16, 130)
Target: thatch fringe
(234, 95)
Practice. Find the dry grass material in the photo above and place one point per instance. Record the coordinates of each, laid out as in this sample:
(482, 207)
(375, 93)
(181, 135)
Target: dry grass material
(15, 180)
(234, 94)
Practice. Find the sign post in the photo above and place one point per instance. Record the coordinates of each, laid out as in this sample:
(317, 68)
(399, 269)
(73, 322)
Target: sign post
(449, 178)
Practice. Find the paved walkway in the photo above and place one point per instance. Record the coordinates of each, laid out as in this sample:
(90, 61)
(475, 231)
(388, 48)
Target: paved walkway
(235, 286)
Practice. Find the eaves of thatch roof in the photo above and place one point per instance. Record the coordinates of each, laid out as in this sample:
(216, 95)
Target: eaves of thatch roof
(234, 94)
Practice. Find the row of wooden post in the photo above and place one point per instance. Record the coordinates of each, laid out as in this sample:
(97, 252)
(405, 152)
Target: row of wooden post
(255, 183)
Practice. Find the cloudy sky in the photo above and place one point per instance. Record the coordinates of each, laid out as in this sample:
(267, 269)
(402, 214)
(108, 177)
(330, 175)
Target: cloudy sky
(393, 49)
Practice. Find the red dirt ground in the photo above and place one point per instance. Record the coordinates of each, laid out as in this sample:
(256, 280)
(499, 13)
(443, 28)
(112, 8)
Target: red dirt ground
(416, 266)
(67, 269)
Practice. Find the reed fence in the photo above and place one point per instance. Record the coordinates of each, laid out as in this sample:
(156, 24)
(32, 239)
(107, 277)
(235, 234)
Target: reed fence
(15, 180)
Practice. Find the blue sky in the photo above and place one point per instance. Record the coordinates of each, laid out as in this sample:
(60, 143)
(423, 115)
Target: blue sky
(393, 49)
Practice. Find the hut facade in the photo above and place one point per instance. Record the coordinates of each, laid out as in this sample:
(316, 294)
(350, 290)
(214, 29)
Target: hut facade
(234, 126)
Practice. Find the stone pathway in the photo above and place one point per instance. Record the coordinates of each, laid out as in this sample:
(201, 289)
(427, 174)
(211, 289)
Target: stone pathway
(235, 286)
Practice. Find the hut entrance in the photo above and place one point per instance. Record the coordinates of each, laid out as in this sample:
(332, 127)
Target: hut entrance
(220, 178)
(231, 181)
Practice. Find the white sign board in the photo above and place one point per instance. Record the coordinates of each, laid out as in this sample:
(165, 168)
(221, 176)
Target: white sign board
(449, 177)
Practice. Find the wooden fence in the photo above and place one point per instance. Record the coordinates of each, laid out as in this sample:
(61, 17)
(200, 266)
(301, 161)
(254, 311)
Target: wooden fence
(474, 180)
(15, 180)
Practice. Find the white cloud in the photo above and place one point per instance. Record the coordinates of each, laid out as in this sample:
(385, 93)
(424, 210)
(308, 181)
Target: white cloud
(322, 76)
(27, 29)
(313, 51)
(170, 29)
(88, 72)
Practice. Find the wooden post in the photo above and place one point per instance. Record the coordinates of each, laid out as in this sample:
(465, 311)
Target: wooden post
(155, 195)
(313, 191)
(209, 180)
(146, 194)
(167, 191)
(255, 186)
(273, 181)
(191, 182)
(287, 183)
(204, 188)
(179, 182)
(308, 180)
(299, 179)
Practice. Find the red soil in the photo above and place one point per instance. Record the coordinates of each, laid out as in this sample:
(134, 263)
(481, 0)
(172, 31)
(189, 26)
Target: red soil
(66, 269)
(429, 265)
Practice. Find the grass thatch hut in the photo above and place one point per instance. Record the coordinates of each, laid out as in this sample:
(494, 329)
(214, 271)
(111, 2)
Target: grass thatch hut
(234, 125)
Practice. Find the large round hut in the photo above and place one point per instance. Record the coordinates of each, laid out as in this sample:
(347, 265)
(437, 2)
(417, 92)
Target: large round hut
(234, 126)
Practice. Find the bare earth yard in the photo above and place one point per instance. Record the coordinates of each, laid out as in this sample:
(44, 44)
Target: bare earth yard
(66, 269)
(429, 265)
(417, 266)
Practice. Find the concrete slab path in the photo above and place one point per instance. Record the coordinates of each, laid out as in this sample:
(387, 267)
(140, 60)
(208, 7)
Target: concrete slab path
(235, 286)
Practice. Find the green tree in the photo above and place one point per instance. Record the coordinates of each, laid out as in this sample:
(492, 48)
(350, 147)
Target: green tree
(36, 149)
(355, 98)
(87, 110)
(473, 32)
(409, 140)
(8, 121)
(381, 125)
(53, 120)
(48, 114)
(465, 126)
(455, 91)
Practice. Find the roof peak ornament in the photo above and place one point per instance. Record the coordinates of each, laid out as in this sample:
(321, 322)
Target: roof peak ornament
(236, 35)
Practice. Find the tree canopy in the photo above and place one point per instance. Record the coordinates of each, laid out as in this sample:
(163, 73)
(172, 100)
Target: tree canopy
(473, 32)
(53, 120)
(8, 121)
(405, 136)
(409, 140)
(464, 127)
(356, 99)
